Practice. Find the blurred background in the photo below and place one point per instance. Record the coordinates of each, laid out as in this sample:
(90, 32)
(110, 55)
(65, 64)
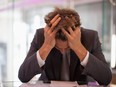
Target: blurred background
(19, 20)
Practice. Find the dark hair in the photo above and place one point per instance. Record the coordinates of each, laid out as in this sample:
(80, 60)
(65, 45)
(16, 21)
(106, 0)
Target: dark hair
(65, 12)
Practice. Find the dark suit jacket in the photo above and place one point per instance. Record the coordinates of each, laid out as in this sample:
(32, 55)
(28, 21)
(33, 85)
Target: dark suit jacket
(96, 67)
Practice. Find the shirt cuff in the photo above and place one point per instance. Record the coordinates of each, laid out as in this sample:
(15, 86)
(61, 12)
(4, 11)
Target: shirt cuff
(39, 59)
(84, 62)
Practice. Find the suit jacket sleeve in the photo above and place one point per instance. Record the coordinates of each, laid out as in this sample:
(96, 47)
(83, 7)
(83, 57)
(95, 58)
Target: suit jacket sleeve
(30, 66)
(97, 66)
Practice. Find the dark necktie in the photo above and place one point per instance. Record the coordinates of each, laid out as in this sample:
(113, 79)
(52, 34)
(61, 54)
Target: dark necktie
(65, 66)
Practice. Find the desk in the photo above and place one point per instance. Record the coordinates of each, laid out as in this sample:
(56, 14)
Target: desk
(41, 84)
(52, 84)
(58, 84)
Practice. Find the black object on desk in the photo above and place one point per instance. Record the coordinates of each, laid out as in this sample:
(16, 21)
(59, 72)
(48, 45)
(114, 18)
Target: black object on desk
(82, 83)
(82, 80)
(46, 81)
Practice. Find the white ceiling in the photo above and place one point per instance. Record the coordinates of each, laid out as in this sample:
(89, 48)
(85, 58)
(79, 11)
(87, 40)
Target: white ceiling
(6, 4)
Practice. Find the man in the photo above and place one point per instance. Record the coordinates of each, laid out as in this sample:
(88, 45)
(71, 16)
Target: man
(63, 38)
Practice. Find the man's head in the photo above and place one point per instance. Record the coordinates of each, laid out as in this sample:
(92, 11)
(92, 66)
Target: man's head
(69, 18)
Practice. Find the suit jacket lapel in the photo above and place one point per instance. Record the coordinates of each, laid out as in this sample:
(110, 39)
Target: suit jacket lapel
(57, 62)
(85, 41)
(73, 63)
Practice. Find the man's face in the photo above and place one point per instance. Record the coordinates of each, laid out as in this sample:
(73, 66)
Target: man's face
(61, 45)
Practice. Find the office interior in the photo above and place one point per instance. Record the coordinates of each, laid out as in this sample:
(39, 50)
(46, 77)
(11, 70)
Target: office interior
(19, 20)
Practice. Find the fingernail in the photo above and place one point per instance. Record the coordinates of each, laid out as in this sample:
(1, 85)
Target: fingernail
(58, 14)
(59, 18)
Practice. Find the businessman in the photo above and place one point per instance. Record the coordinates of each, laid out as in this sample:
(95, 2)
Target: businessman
(65, 51)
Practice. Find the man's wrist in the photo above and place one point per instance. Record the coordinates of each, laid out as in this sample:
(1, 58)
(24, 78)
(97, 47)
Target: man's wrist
(81, 51)
(39, 59)
(44, 51)
(47, 46)
(85, 60)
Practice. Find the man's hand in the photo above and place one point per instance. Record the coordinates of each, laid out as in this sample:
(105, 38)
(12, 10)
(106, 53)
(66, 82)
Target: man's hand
(49, 34)
(73, 38)
(74, 41)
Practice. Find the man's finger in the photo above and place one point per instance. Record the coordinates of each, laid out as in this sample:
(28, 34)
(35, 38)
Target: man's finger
(54, 24)
(77, 30)
(54, 32)
(46, 28)
(70, 21)
(71, 31)
(66, 33)
(54, 19)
